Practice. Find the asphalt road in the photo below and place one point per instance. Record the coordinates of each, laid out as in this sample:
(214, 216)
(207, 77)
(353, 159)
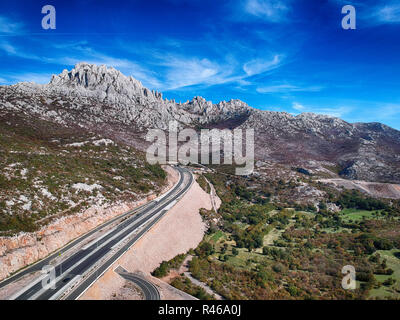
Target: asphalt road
(149, 290)
(112, 244)
(39, 265)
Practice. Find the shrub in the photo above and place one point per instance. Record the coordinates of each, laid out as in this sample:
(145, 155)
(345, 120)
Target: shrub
(162, 270)
(294, 292)
(278, 267)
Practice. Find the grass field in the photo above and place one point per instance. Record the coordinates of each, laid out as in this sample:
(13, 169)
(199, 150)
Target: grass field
(356, 215)
(393, 262)
(216, 236)
(245, 259)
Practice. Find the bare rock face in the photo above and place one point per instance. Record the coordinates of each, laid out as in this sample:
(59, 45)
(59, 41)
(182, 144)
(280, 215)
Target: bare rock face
(90, 94)
(105, 84)
(360, 151)
(105, 101)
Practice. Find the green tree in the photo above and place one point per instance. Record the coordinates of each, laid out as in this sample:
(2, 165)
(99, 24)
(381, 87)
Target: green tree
(235, 251)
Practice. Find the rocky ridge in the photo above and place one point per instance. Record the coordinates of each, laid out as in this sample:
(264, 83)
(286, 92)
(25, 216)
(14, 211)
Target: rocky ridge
(104, 100)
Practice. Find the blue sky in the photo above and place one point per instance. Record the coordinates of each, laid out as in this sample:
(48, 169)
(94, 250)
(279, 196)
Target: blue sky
(276, 55)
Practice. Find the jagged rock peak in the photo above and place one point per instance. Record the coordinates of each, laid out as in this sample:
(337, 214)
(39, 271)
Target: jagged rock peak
(107, 82)
(199, 105)
(91, 76)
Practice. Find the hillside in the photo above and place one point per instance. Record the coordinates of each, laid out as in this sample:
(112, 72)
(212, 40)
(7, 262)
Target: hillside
(49, 171)
(106, 102)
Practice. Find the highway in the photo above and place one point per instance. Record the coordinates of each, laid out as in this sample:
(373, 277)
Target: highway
(149, 290)
(77, 273)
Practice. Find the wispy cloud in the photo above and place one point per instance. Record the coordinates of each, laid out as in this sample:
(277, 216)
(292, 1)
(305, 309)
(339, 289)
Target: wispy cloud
(8, 48)
(374, 12)
(339, 111)
(11, 50)
(297, 106)
(259, 66)
(41, 78)
(188, 71)
(270, 10)
(8, 26)
(386, 14)
(191, 71)
(383, 112)
(164, 70)
(286, 88)
(80, 53)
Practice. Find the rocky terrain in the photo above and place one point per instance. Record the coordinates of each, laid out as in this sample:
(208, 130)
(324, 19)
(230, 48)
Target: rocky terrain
(106, 102)
(26, 248)
(49, 171)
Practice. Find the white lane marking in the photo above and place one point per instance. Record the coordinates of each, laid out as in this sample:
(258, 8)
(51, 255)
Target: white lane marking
(27, 287)
(137, 230)
(69, 285)
(87, 256)
(34, 282)
(170, 205)
(106, 234)
(126, 250)
(36, 295)
(98, 248)
(98, 239)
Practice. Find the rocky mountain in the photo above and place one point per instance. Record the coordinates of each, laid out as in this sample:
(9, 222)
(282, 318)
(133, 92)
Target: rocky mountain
(104, 101)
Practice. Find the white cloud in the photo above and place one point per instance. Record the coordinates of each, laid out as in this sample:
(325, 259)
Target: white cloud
(387, 14)
(162, 71)
(338, 112)
(390, 110)
(298, 106)
(80, 54)
(7, 26)
(374, 12)
(270, 10)
(284, 88)
(9, 49)
(183, 72)
(189, 71)
(41, 78)
(259, 66)
(17, 52)
(383, 111)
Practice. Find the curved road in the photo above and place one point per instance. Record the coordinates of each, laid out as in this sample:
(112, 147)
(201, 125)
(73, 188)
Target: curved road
(79, 271)
(149, 290)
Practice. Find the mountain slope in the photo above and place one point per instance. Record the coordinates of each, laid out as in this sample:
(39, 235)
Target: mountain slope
(50, 171)
(104, 101)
